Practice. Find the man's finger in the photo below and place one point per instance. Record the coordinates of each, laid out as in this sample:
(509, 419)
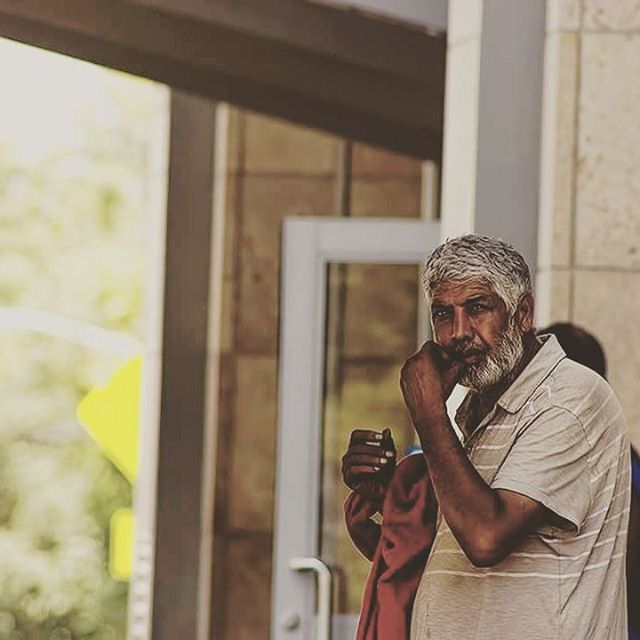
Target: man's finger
(374, 461)
(373, 449)
(361, 470)
(429, 346)
(450, 360)
(361, 436)
(387, 440)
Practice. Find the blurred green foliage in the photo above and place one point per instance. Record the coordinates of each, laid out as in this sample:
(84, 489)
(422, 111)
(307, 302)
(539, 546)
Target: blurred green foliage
(73, 242)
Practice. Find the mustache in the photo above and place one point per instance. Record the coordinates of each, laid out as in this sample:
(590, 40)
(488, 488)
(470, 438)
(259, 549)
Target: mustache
(461, 352)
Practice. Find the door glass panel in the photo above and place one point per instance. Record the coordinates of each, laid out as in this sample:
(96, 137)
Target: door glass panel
(373, 319)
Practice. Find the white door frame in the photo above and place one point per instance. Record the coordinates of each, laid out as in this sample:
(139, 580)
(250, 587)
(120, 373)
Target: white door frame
(309, 245)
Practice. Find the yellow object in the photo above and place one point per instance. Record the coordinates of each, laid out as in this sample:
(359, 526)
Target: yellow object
(121, 544)
(110, 414)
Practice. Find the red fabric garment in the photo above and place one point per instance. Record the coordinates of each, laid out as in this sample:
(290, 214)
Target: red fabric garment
(398, 548)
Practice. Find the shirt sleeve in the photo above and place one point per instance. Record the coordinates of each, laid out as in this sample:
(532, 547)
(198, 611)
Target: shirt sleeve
(549, 463)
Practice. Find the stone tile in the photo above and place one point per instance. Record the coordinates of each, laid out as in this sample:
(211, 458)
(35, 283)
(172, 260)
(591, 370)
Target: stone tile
(607, 304)
(273, 145)
(229, 286)
(235, 139)
(233, 203)
(608, 238)
(227, 324)
(553, 297)
(561, 282)
(608, 187)
(248, 596)
(252, 463)
(558, 150)
(608, 15)
(267, 200)
(257, 311)
(380, 310)
(563, 15)
(386, 198)
(224, 439)
(374, 162)
(219, 579)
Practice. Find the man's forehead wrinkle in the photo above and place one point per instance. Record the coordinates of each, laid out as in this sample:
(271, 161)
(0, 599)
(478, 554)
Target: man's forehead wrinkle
(448, 293)
(480, 296)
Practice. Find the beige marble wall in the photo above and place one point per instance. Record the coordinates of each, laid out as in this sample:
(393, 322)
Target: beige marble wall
(590, 190)
(276, 169)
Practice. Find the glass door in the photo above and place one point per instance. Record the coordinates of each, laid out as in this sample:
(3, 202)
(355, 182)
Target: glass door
(352, 310)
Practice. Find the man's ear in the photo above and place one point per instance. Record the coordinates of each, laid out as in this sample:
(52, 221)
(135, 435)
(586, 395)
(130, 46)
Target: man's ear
(524, 313)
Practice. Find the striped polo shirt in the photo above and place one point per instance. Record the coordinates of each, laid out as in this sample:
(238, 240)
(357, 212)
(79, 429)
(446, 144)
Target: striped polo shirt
(558, 436)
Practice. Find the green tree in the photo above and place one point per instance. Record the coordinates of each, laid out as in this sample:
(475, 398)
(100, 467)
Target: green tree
(72, 242)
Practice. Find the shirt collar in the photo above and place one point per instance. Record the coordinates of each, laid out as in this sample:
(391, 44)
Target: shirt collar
(522, 388)
(464, 413)
(541, 365)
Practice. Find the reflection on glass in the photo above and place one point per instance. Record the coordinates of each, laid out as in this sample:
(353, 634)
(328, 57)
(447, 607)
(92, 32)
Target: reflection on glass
(74, 147)
(372, 326)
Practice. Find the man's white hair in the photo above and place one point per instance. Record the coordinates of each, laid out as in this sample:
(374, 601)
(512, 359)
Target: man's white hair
(475, 257)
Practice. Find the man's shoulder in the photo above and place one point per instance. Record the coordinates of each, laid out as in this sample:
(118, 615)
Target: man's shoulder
(578, 390)
(571, 374)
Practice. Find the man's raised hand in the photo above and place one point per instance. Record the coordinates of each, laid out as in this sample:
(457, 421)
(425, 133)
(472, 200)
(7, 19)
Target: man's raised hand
(368, 464)
(427, 380)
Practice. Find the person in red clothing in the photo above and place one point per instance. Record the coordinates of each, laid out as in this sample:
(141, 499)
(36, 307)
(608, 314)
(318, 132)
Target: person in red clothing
(398, 548)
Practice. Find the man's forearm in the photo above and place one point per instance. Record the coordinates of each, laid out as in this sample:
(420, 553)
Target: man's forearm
(487, 523)
(470, 507)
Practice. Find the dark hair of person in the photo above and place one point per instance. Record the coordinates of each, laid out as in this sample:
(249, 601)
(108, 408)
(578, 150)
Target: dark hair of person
(579, 345)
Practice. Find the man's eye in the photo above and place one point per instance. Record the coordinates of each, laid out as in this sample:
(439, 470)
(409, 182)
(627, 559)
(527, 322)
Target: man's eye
(478, 308)
(440, 314)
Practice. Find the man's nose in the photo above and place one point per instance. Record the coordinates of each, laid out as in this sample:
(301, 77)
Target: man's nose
(461, 325)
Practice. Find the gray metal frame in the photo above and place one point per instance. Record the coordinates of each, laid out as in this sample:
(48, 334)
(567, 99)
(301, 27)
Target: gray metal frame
(309, 245)
(183, 390)
(172, 568)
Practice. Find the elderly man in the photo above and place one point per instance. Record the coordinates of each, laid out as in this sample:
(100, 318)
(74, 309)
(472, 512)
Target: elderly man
(533, 504)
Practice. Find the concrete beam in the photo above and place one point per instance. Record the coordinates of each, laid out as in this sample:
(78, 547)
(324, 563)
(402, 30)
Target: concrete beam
(342, 71)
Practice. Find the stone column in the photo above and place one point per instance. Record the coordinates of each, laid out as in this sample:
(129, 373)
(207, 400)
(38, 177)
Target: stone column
(492, 120)
(590, 188)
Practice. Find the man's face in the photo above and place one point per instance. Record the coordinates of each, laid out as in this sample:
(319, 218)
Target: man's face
(471, 323)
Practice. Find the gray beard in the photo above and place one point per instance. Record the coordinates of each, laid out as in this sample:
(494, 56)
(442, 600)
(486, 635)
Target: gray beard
(498, 364)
